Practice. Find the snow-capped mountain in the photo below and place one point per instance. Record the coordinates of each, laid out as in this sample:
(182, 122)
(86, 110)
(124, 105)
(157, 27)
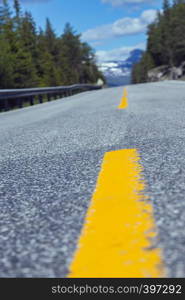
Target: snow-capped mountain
(119, 72)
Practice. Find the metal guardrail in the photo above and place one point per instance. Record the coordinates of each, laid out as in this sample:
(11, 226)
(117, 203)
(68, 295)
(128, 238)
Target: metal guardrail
(17, 97)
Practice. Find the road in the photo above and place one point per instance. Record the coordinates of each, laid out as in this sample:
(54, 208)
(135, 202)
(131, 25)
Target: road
(50, 158)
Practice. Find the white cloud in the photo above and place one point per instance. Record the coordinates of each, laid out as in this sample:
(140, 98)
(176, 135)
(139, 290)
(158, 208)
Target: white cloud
(122, 2)
(118, 53)
(121, 27)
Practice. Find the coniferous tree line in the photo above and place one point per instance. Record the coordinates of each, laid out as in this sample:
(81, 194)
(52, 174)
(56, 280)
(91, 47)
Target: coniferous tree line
(36, 58)
(166, 40)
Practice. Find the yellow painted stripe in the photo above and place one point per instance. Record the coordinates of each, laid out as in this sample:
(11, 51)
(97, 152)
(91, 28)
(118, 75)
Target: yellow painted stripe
(119, 226)
(125, 93)
(124, 101)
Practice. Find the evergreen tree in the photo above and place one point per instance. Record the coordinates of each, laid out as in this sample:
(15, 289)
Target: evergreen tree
(6, 65)
(70, 57)
(166, 38)
(140, 70)
(5, 14)
(24, 71)
(28, 35)
(7, 39)
(29, 58)
(50, 38)
(17, 8)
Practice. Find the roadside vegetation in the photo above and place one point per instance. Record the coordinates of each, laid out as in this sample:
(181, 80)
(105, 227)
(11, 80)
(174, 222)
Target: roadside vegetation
(166, 41)
(32, 57)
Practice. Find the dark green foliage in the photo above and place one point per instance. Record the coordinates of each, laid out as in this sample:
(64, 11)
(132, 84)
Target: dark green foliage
(31, 58)
(6, 65)
(77, 59)
(166, 40)
(140, 70)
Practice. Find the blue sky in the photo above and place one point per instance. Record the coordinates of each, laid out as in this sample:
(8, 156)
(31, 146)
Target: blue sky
(112, 27)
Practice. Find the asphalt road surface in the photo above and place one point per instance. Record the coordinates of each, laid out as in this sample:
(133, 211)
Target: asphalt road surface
(50, 157)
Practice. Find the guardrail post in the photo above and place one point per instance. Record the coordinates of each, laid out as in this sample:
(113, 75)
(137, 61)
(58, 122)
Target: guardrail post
(20, 102)
(6, 104)
(49, 97)
(31, 98)
(40, 99)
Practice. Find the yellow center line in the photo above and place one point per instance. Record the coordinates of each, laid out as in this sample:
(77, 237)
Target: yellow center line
(116, 240)
(124, 100)
(125, 93)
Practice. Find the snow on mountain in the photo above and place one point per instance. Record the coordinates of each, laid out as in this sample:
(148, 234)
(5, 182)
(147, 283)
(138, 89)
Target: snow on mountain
(114, 69)
(119, 72)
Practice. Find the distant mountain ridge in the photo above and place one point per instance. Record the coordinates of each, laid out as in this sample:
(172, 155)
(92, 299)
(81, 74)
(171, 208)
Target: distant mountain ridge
(118, 72)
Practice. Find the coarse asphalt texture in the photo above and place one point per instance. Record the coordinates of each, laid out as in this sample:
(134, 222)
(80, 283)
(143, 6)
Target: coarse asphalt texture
(50, 157)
